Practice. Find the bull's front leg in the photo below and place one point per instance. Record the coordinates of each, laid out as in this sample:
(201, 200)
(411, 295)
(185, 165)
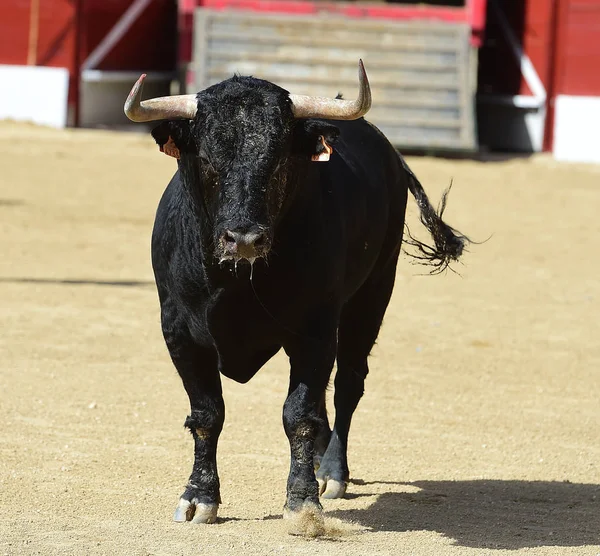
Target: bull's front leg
(311, 365)
(197, 367)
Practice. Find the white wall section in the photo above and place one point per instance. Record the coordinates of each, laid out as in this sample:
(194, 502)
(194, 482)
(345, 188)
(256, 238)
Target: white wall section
(34, 94)
(577, 128)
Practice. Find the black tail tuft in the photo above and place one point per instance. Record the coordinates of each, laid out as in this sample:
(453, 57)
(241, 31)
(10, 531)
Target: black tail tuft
(449, 243)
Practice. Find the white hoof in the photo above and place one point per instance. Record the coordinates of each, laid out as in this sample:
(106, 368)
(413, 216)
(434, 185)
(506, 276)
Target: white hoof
(196, 512)
(322, 485)
(205, 513)
(331, 489)
(184, 511)
(317, 462)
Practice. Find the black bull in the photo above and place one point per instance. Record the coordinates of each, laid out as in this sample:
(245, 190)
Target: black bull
(258, 247)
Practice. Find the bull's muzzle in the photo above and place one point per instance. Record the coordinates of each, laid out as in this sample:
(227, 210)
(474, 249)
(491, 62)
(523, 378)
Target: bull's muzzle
(239, 245)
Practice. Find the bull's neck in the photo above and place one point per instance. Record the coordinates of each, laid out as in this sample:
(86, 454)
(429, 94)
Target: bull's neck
(303, 181)
(197, 219)
(192, 188)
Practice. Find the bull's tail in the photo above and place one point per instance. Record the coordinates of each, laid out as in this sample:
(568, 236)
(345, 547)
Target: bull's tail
(449, 243)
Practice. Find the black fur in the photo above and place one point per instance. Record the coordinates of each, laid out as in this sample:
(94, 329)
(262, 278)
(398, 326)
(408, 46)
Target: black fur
(449, 243)
(332, 235)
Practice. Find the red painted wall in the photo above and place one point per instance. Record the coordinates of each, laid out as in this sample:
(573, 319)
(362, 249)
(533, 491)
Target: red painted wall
(150, 43)
(69, 30)
(57, 36)
(576, 55)
(532, 22)
(577, 60)
(57, 32)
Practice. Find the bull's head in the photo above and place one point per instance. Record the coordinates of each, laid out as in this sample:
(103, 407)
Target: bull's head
(242, 144)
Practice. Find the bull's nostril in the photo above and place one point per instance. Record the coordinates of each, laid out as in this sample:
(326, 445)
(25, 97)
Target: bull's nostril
(245, 245)
(229, 237)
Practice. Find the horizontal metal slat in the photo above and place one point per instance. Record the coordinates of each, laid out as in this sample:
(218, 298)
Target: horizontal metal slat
(403, 141)
(385, 97)
(247, 50)
(276, 75)
(346, 73)
(419, 43)
(407, 118)
(412, 134)
(393, 99)
(382, 97)
(446, 117)
(328, 22)
(316, 57)
(341, 32)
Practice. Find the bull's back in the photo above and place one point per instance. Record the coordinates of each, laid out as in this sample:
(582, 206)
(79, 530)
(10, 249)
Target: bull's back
(369, 153)
(372, 186)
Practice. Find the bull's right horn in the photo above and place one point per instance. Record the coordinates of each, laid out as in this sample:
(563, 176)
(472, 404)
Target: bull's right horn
(332, 108)
(179, 107)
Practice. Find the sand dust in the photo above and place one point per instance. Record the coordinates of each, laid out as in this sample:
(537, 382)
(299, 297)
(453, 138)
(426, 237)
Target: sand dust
(478, 434)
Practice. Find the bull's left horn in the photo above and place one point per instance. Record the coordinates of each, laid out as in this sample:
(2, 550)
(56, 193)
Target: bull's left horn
(163, 108)
(332, 108)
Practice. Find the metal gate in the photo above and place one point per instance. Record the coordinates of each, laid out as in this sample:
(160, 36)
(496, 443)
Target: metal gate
(422, 73)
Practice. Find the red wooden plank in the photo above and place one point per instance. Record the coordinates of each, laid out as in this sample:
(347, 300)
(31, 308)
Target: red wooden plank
(56, 39)
(301, 7)
(578, 57)
(14, 30)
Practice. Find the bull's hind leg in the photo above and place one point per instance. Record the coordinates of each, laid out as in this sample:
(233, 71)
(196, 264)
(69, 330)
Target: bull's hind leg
(359, 326)
(197, 367)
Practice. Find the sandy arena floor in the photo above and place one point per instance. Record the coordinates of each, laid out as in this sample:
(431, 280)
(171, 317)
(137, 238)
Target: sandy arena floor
(478, 434)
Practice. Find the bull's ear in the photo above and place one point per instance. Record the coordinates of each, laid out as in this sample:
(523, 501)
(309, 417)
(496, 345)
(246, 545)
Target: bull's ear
(315, 139)
(174, 138)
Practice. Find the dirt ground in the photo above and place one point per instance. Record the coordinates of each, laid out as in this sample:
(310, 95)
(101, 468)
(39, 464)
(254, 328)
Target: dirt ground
(478, 433)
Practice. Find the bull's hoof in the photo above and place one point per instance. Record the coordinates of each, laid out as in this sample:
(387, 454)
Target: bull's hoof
(331, 488)
(303, 508)
(194, 511)
(317, 462)
(305, 520)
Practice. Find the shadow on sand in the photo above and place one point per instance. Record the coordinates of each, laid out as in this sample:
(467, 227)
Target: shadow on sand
(487, 514)
(69, 282)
